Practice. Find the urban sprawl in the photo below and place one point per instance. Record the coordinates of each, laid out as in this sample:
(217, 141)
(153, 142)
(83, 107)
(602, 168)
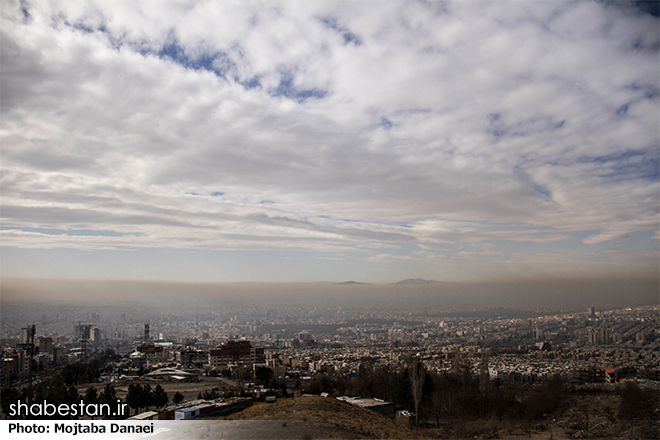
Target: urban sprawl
(292, 347)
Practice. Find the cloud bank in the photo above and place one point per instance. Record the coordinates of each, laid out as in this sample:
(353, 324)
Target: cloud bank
(458, 134)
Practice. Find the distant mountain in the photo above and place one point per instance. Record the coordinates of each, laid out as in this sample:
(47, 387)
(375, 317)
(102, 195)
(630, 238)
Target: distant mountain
(351, 282)
(416, 281)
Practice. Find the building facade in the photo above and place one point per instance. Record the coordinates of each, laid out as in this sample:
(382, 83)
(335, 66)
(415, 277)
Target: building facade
(234, 353)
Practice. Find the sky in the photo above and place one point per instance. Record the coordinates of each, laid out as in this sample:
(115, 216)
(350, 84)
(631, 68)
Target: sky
(296, 141)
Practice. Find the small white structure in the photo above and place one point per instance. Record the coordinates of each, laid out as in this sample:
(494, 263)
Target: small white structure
(186, 413)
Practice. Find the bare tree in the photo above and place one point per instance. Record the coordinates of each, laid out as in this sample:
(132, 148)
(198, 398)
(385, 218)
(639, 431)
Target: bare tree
(484, 376)
(417, 376)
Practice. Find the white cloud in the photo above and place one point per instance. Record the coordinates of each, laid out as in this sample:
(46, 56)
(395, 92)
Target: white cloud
(429, 125)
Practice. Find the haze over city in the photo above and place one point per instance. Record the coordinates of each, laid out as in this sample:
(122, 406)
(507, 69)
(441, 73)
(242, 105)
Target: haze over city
(203, 142)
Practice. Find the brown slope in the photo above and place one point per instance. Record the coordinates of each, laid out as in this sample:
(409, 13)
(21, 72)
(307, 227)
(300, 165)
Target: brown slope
(330, 417)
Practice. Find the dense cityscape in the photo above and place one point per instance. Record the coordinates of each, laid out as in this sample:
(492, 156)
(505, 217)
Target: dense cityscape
(337, 340)
(210, 360)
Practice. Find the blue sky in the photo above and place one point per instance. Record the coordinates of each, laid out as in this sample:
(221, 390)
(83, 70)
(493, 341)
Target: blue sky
(303, 141)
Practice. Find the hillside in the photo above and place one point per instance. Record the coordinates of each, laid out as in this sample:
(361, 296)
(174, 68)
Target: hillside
(327, 418)
(587, 413)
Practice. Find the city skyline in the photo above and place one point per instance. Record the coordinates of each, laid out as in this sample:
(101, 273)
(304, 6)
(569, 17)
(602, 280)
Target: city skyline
(214, 142)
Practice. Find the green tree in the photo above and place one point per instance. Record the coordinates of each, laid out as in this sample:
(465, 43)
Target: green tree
(108, 395)
(91, 396)
(263, 374)
(177, 398)
(83, 372)
(160, 398)
(72, 396)
(58, 392)
(146, 397)
(134, 397)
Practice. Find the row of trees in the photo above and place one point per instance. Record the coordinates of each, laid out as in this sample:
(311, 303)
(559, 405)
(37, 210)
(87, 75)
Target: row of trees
(55, 392)
(454, 395)
(460, 394)
(142, 396)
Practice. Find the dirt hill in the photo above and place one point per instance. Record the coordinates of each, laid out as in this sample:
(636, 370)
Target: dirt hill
(329, 418)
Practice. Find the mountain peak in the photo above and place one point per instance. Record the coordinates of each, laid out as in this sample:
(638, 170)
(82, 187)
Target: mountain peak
(416, 281)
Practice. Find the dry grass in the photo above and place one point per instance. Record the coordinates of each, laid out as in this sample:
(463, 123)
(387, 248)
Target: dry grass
(336, 415)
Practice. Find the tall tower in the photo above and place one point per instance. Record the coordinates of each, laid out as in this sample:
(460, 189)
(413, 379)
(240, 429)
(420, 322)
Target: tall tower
(538, 333)
(83, 340)
(146, 333)
(31, 333)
